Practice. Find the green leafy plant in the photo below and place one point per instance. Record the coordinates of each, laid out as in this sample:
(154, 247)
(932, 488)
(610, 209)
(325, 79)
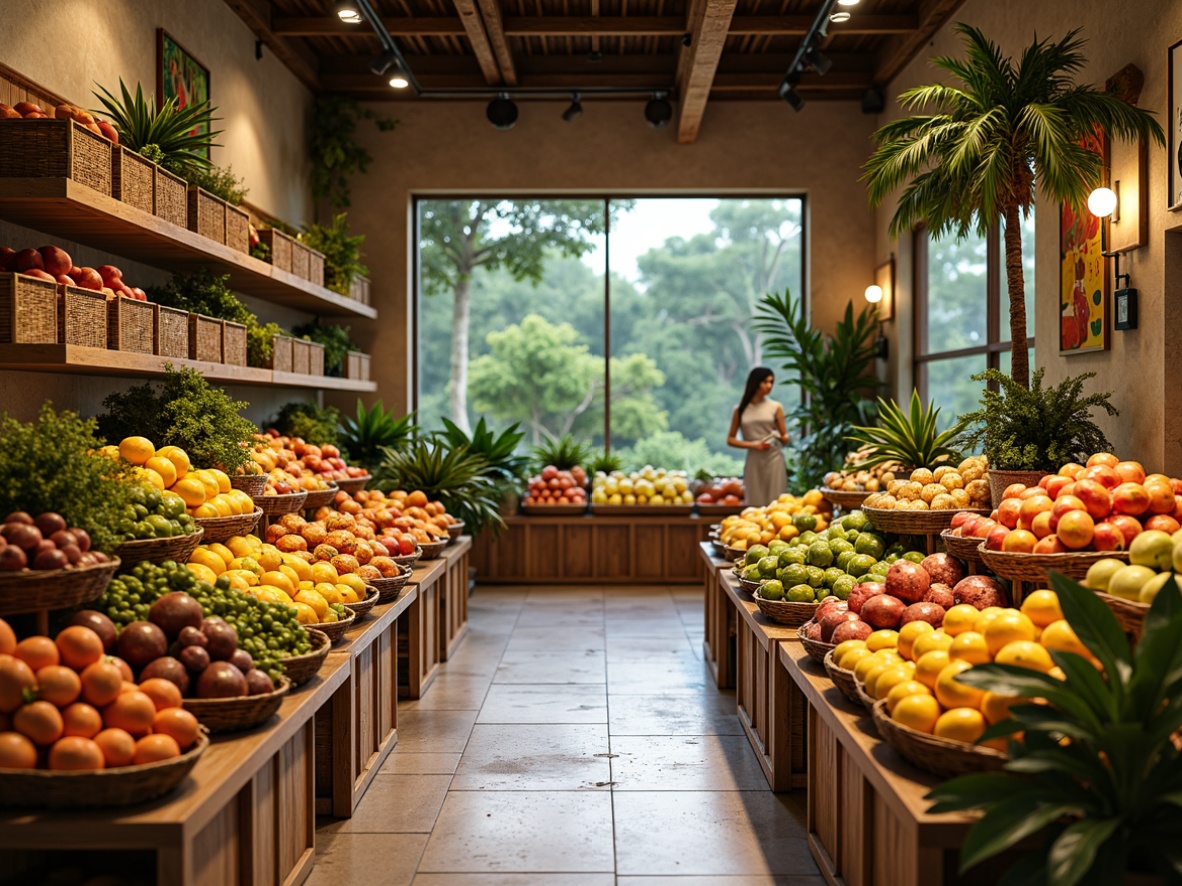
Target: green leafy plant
(201, 292)
(314, 424)
(1039, 429)
(186, 411)
(1003, 127)
(563, 452)
(342, 252)
(52, 464)
(260, 342)
(374, 430)
(219, 181)
(1109, 799)
(171, 132)
(499, 451)
(835, 372)
(336, 343)
(456, 476)
(910, 438)
(604, 461)
(262, 252)
(335, 154)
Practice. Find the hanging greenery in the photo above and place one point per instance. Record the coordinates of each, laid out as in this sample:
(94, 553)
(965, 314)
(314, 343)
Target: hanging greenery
(334, 150)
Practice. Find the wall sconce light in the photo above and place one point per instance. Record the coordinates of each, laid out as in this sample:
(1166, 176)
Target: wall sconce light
(881, 344)
(1105, 203)
(874, 293)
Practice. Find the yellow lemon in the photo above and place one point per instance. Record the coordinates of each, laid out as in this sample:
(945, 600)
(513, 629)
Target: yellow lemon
(247, 576)
(305, 614)
(150, 476)
(960, 724)
(208, 558)
(241, 546)
(884, 639)
(165, 468)
(1060, 635)
(929, 665)
(329, 592)
(313, 599)
(842, 648)
(348, 595)
(851, 658)
(250, 564)
(302, 568)
(918, 712)
(207, 480)
(1025, 654)
(997, 707)
(222, 551)
(872, 675)
(271, 558)
(191, 490)
(222, 479)
(178, 457)
(875, 660)
(886, 680)
(903, 690)
(205, 510)
(279, 580)
(1042, 608)
(954, 694)
(908, 634)
(1006, 628)
(985, 616)
(322, 570)
(238, 580)
(960, 618)
(292, 575)
(244, 501)
(203, 572)
(355, 583)
(136, 450)
(971, 647)
(935, 641)
(222, 506)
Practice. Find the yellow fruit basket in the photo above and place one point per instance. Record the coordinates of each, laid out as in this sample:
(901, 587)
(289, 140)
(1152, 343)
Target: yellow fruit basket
(940, 756)
(220, 529)
(334, 630)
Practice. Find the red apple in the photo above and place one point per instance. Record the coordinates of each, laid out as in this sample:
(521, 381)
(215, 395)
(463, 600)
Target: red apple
(863, 592)
(1033, 492)
(1014, 490)
(110, 274)
(1108, 537)
(7, 259)
(996, 538)
(1165, 522)
(56, 261)
(88, 278)
(1096, 498)
(29, 260)
(1102, 474)
(1130, 471)
(1063, 504)
(1050, 545)
(39, 274)
(1101, 458)
(108, 131)
(1009, 512)
(960, 518)
(985, 527)
(1070, 469)
(1130, 498)
(1129, 526)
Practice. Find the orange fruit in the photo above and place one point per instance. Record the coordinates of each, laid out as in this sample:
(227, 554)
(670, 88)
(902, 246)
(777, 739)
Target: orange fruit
(960, 724)
(164, 693)
(17, 752)
(971, 647)
(40, 722)
(221, 478)
(101, 683)
(17, 682)
(203, 572)
(117, 746)
(79, 646)
(954, 694)
(1060, 636)
(209, 559)
(908, 634)
(929, 665)
(164, 467)
(960, 618)
(884, 639)
(208, 482)
(7, 638)
(152, 748)
(417, 499)
(81, 719)
(179, 459)
(932, 641)
(1006, 628)
(1042, 608)
(918, 712)
(38, 652)
(191, 490)
(133, 712)
(222, 505)
(851, 658)
(904, 690)
(985, 616)
(137, 450)
(886, 680)
(177, 723)
(1025, 654)
(76, 753)
(997, 707)
(58, 685)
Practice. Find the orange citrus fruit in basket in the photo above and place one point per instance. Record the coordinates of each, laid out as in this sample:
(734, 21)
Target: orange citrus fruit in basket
(932, 641)
(960, 618)
(929, 665)
(904, 690)
(954, 694)
(1008, 627)
(997, 707)
(960, 724)
(908, 634)
(918, 712)
(165, 468)
(1025, 654)
(192, 490)
(1042, 608)
(178, 457)
(136, 450)
(74, 753)
(971, 647)
(208, 481)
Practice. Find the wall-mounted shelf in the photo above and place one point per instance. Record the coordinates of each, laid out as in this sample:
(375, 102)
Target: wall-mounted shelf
(65, 208)
(77, 360)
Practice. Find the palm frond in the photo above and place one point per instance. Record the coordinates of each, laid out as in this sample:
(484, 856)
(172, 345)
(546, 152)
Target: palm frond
(175, 131)
(910, 438)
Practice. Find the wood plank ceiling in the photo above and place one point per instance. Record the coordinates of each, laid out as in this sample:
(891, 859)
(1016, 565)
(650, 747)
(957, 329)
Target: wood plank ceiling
(693, 50)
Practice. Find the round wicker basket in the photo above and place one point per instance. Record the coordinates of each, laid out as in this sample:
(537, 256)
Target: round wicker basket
(158, 550)
(433, 550)
(961, 548)
(719, 510)
(734, 554)
(29, 591)
(252, 485)
(236, 714)
(554, 510)
(785, 612)
(745, 583)
(1036, 568)
(843, 680)
(940, 756)
(335, 630)
(455, 530)
(1129, 613)
(408, 559)
(353, 484)
(318, 498)
(121, 786)
(1000, 480)
(362, 608)
(863, 697)
(390, 589)
(844, 499)
(219, 529)
(915, 522)
(816, 649)
(278, 505)
(302, 668)
(719, 547)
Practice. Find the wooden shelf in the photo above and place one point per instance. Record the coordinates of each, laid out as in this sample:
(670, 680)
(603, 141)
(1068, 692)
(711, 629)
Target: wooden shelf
(77, 360)
(63, 207)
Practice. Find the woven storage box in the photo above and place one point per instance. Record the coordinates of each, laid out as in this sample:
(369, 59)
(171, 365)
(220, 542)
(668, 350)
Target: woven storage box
(82, 317)
(55, 149)
(335, 630)
(28, 308)
(237, 229)
(357, 365)
(844, 500)
(301, 356)
(299, 259)
(315, 266)
(315, 358)
(280, 245)
(233, 343)
(133, 179)
(172, 198)
(281, 348)
(940, 756)
(207, 215)
(205, 338)
(172, 332)
(359, 290)
(999, 481)
(131, 325)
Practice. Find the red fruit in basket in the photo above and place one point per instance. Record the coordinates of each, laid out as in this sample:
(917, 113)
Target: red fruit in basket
(863, 592)
(883, 611)
(907, 581)
(7, 259)
(1108, 537)
(36, 115)
(8, 113)
(99, 623)
(174, 612)
(13, 559)
(168, 668)
(141, 642)
(55, 261)
(88, 278)
(64, 280)
(40, 275)
(23, 108)
(29, 260)
(943, 569)
(831, 620)
(111, 275)
(851, 630)
(51, 560)
(940, 594)
(980, 592)
(108, 131)
(932, 613)
(75, 272)
(221, 680)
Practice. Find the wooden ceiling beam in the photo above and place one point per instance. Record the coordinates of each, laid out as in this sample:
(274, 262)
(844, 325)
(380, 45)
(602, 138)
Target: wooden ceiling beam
(494, 26)
(764, 82)
(300, 60)
(798, 25)
(705, 50)
(331, 26)
(901, 49)
(478, 38)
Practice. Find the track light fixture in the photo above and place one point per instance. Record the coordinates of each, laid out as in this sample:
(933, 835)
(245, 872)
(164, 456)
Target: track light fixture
(848, 2)
(575, 111)
(348, 12)
(382, 63)
(658, 112)
(502, 112)
(820, 62)
(789, 94)
(399, 82)
(838, 17)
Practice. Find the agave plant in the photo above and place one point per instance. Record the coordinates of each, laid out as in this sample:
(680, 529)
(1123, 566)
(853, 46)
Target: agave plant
(171, 136)
(564, 453)
(503, 461)
(605, 462)
(909, 438)
(366, 437)
(1096, 772)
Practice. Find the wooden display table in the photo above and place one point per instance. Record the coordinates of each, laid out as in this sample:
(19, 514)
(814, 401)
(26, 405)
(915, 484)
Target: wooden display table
(772, 712)
(418, 633)
(627, 549)
(867, 819)
(717, 643)
(358, 727)
(246, 814)
(453, 597)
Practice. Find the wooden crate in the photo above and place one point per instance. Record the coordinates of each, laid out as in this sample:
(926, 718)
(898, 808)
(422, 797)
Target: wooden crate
(453, 598)
(82, 317)
(205, 338)
(719, 618)
(172, 198)
(281, 246)
(233, 343)
(130, 325)
(359, 290)
(315, 266)
(172, 332)
(301, 356)
(357, 365)
(28, 310)
(55, 149)
(207, 214)
(300, 257)
(281, 353)
(133, 179)
(237, 229)
(418, 640)
(315, 358)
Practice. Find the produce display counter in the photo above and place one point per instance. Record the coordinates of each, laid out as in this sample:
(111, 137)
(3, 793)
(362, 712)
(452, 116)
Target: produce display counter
(419, 633)
(358, 727)
(453, 597)
(593, 549)
(771, 709)
(717, 643)
(246, 814)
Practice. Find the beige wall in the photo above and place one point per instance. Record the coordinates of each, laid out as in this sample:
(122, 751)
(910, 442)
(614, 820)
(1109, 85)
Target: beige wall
(1142, 367)
(744, 147)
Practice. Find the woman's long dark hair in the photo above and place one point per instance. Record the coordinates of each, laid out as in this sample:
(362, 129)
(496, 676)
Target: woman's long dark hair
(754, 379)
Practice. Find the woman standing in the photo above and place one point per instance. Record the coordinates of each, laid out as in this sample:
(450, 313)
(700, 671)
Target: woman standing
(762, 422)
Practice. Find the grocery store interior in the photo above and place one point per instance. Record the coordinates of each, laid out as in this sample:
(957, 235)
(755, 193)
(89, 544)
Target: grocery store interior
(667, 443)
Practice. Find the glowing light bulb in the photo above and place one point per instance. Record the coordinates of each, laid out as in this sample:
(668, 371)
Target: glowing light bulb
(873, 294)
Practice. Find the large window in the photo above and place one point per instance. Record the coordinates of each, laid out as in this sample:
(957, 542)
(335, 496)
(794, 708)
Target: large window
(962, 316)
(625, 322)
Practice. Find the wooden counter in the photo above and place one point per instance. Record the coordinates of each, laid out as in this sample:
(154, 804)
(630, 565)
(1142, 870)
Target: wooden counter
(453, 597)
(717, 644)
(418, 633)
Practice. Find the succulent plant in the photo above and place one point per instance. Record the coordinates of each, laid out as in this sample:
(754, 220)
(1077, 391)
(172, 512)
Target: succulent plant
(910, 438)
(170, 136)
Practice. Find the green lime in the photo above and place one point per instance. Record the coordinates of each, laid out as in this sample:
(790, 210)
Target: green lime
(859, 565)
(820, 555)
(802, 594)
(751, 573)
(832, 574)
(776, 545)
(822, 593)
(768, 566)
(843, 560)
(835, 532)
(805, 522)
(771, 590)
(793, 555)
(140, 511)
(160, 523)
(854, 520)
(843, 586)
(870, 544)
(914, 556)
(794, 574)
(816, 576)
(755, 554)
(144, 529)
(807, 538)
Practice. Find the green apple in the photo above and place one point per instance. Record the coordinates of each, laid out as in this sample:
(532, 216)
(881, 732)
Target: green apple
(1100, 573)
(1152, 548)
(871, 545)
(755, 553)
(1150, 589)
(843, 586)
(802, 594)
(820, 555)
(768, 566)
(771, 590)
(1127, 581)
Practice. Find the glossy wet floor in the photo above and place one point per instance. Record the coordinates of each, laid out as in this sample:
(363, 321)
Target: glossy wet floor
(576, 739)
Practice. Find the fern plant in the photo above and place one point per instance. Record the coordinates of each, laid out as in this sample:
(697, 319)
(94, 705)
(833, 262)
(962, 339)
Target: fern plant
(456, 476)
(342, 252)
(374, 430)
(563, 452)
(171, 136)
(1038, 429)
(910, 438)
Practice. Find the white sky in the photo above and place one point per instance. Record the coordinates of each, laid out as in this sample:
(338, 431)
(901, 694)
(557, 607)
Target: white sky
(650, 223)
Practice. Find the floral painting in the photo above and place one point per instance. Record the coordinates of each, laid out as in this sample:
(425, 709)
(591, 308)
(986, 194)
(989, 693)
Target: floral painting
(1083, 281)
(179, 76)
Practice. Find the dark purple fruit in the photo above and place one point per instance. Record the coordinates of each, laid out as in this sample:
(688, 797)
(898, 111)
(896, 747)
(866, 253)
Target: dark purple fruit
(83, 538)
(49, 523)
(167, 668)
(258, 683)
(242, 660)
(221, 680)
(175, 611)
(141, 642)
(52, 559)
(223, 640)
(13, 559)
(191, 636)
(194, 658)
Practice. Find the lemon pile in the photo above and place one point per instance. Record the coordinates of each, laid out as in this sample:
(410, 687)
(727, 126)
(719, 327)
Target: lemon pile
(206, 492)
(649, 486)
(785, 518)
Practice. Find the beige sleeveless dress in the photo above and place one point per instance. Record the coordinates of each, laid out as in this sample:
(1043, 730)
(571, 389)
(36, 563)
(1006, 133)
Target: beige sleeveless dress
(764, 475)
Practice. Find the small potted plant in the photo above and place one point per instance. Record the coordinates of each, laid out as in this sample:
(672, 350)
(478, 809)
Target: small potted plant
(1027, 434)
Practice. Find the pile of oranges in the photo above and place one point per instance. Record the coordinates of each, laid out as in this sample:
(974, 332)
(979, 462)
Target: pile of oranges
(400, 520)
(293, 465)
(206, 492)
(66, 705)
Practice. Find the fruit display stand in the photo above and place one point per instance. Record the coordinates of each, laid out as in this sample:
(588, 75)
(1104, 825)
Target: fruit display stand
(246, 814)
(453, 597)
(419, 633)
(771, 709)
(716, 645)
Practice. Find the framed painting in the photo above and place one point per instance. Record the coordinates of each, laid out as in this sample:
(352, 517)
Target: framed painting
(1083, 276)
(1174, 128)
(179, 75)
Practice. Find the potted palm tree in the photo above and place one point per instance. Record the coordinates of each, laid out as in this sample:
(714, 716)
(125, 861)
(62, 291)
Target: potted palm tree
(1005, 126)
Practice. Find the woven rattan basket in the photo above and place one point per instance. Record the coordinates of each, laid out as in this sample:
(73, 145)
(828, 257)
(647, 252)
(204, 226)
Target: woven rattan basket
(302, 668)
(237, 229)
(940, 756)
(220, 529)
(999, 481)
(207, 215)
(744, 583)
(55, 149)
(433, 550)
(318, 498)
(251, 484)
(335, 630)
(280, 245)
(301, 357)
(278, 505)
(362, 608)
(237, 714)
(82, 317)
(131, 325)
(735, 555)
(353, 484)
(1036, 568)
(1129, 613)
(315, 267)
(28, 309)
(408, 559)
(843, 499)
(455, 530)
(233, 343)
(315, 358)
(280, 353)
(842, 679)
(30, 591)
(960, 547)
(785, 612)
(863, 696)
(121, 786)
(158, 550)
(815, 648)
(357, 365)
(390, 589)
(915, 522)
(133, 179)
(205, 338)
(171, 332)
(172, 198)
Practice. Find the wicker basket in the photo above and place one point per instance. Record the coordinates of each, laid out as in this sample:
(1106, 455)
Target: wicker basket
(171, 332)
(842, 679)
(220, 529)
(281, 353)
(1035, 568)
(362, 608)
(55, 149)
(280, 245)
(335, 630)
(30, 591)
(390, 589)
(172, 198)
(315, 266)
(302, 668)
(237, 229)
(785, 612)
(205, 338)
(207, 215)
(915, 522)
(82, 317)
(315, 358)
(847, 501)
(121, 786)
(158, 550)
(359, 289)
(815, 648)
(1000, 480)
(940, 756)
(745, 584)
(353, 484)
(251, 484)
(133, 179)
(299, 259)
(433, 550)
(237, 714)
(455, 530)
(719, 547)
(301, 356)
(357, 365)
(319, 498)
(28, 308)
(1129, 613)
(735, 555)
(233, 343)
(863, 696)
(131, 325)
(960, 547)
(277, 505)
(408, 559)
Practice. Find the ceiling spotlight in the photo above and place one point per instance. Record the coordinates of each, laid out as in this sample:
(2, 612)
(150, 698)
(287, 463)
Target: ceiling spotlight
(347, 12)
(838, 17)
(399, 82)
(575, 111)
(658, 112)
(821, 63)
(382, 63)
(848, 2)
(789, 94)
(502, 112)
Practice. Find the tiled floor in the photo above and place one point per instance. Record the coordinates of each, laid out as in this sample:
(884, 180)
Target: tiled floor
(576, 739)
